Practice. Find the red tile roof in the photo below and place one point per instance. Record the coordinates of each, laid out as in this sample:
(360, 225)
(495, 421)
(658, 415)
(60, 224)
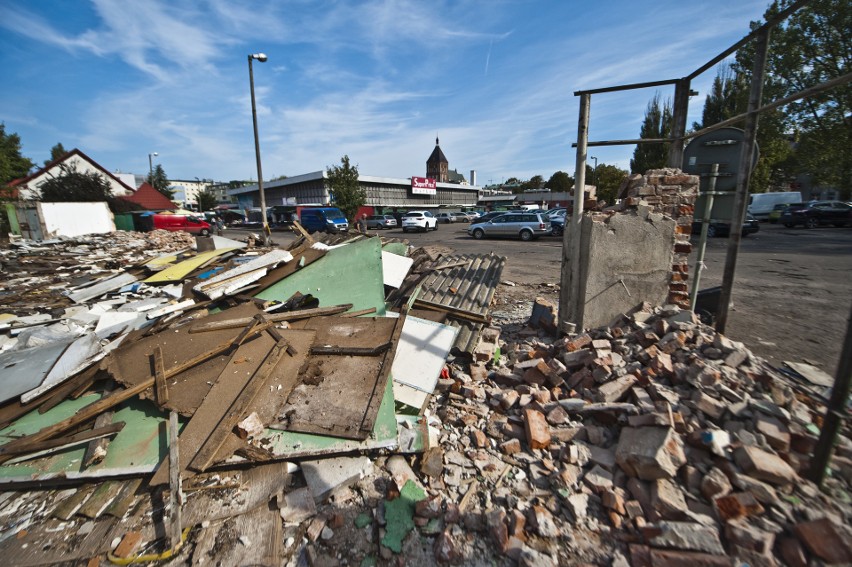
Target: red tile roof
(149, 198)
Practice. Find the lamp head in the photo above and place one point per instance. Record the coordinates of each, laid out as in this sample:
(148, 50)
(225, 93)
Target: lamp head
(155, 154)
(259, 56)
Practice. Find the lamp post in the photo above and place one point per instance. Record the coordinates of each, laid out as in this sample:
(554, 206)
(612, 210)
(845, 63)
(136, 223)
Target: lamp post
(260, 57)
(151, 167)
(595, 173)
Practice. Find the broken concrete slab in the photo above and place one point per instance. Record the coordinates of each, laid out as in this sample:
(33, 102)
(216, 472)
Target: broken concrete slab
(327, 475)
(650, 453)
(764, 466)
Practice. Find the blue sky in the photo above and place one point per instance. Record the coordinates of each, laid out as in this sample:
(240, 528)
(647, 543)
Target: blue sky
(376, 80)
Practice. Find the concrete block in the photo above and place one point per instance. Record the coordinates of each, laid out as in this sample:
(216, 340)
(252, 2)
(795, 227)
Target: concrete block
(668, 500)
(650, 453)
(714, 484)
(777, 434)
(324, 476)
(615, 390)
(598, 479)
(764, 466)
(686, 536)
(825, 541)
(748, 536)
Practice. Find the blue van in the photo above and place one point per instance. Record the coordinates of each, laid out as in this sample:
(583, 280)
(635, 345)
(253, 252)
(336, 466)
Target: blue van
(323, 219)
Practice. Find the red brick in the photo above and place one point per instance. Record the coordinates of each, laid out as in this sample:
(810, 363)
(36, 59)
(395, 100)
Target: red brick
(511, 447)
(824, 541)
(537, 430)
(683, 248)
(128, 545)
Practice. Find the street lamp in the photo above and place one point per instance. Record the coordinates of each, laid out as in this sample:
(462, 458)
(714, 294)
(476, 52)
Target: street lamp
(151, 166)
(260, 57)
(595, 173)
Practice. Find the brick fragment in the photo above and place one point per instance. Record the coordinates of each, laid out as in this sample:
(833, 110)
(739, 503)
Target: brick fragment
(822, 538)
(537, 430)
(511, 447)
(764, 466)
(650, 452)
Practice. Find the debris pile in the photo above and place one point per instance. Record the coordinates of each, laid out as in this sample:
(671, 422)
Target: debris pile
(350, 401)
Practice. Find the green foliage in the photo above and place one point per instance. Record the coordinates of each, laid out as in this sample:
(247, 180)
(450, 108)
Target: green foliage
(809, 48)
(728, 97)
(12, 164)
(71, 185)
(609, 178)
(56, 152)
(347, 193)
(206, 199)
(160, 182)
(657, 124)
(560, 182)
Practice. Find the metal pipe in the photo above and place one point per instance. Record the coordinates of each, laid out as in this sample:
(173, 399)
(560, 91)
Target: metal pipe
(705, 226)
(743, 175)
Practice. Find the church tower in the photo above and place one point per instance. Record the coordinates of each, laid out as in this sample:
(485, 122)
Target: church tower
(437, 166)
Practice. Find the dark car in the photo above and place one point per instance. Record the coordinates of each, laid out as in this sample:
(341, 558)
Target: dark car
(723, 228)
(557, 224)
(812, 215)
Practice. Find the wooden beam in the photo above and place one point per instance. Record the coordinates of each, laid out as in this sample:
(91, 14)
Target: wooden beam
(162, 389)
(175, 496)
(271, 317)
(205, 456)
(452, 311)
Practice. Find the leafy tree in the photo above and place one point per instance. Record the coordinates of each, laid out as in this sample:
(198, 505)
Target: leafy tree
(71, 185)
(160, 182)
(206, 200)
(343, 184)
(56, 152)
(278, 178)
(535, 182)
(12, 164)
(728, 97)
(560, 182)
(609, 179)
(657, 124)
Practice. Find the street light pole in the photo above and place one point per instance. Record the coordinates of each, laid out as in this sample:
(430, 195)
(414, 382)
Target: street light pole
(151, 167)
(260, 57)
(595, 173)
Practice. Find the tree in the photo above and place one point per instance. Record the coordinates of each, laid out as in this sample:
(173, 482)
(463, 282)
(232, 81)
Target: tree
(609, 178)
(657, 124)
(71, 185)
(346, 191)
(12, 164)
(206, 200)
(160, 182)
(728, 97)
(534, 184)
(56, 152)
(560, 182)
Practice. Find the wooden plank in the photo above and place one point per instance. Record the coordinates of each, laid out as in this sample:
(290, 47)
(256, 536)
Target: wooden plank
(273, 317)
(96, 451)
(238, 410)
(121, 504)
(226, 387)
(175, 497)
(162, 389)
(104, 404)
(258, 540)
(369, 419)
(53, 445)
(68, 507)
(103, 495)
(452, 311)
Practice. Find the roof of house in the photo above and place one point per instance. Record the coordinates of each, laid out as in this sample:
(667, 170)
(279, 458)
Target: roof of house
(149, 198)
(54, 163)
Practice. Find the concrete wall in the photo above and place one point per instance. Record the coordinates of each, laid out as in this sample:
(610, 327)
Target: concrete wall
(75, 219)
(630, 258)
(632, 253)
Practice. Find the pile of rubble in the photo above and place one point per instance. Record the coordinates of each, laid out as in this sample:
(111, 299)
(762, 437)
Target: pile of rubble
(653, 441)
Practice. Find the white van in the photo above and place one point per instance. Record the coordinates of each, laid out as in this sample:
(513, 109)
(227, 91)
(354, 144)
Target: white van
(761, 204)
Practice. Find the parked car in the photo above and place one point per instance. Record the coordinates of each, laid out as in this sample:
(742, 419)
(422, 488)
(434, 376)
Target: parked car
(723, 228)
(488, 216)
(812, 215)
(188, 223)
(778, 210)
(446, 217)
(381, 221)
(526, 225)
(419, 220)
(557, 212)
(557, 226)
(762, 204)
(323, 219)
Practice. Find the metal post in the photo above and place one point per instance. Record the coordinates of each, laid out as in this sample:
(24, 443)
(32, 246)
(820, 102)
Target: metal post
(570, 302)
(702, 242)
(743, 175)
(681, 107)
(266, 231)
(836, 409)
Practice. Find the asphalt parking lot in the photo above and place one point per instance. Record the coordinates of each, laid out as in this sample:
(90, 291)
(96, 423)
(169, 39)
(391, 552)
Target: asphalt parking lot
(791, 297)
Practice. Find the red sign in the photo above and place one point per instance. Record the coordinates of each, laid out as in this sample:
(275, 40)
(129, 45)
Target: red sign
(423, 185)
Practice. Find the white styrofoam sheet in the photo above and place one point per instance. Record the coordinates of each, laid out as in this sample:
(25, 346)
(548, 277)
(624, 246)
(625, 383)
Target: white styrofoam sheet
(76, 219)
(421, 353)
(395, 268)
